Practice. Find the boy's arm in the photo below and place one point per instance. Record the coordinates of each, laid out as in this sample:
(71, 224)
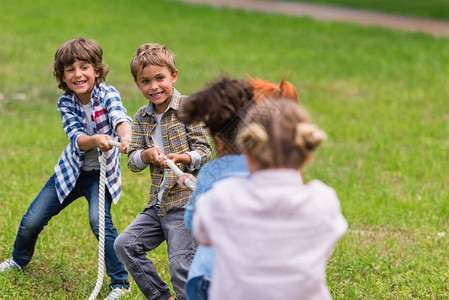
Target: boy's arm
(137, 144)
(70, 121)
(124, 132)
(184, 159)
(118, 117)
(140, 155)
(201, 149)
(116, 111)
(88, 142)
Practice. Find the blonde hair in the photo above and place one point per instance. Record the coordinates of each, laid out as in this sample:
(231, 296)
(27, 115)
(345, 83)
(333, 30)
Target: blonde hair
(278, 134)
(152, 55)
(265, 89)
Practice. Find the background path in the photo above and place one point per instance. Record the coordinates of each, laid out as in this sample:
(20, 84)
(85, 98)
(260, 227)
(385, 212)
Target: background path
(333, 13)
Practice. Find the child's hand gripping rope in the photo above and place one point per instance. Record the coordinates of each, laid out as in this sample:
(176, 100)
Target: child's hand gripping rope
(189, 181)
(116, 144)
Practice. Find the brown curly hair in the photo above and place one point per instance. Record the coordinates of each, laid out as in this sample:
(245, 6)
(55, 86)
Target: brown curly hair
(79, 49)
(220, 106)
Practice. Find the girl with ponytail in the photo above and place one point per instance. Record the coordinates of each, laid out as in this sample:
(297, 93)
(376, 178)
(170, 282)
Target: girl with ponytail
(272, 234)
(220, 107)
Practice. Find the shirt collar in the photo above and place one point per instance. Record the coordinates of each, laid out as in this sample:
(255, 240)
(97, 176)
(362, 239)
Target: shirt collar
(95, 92)
(174, 103)
(94, 95)
(276, 176)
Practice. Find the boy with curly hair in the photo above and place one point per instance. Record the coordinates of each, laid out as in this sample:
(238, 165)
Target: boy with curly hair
(92, 113)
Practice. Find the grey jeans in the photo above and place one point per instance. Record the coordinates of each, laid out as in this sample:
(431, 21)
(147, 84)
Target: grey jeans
(144, 234)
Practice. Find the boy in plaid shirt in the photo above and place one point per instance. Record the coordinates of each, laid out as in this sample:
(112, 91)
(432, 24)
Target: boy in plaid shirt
(157, 134)
(92, 113)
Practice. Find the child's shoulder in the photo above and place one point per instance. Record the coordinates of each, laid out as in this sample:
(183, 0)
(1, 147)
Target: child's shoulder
(236, 182)
(106, 89)
(323, 194)
(141, 111)
(177, 98)
(319, 187)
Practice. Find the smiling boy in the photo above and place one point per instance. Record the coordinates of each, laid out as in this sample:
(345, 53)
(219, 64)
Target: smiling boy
(92, 113)
(157, 132)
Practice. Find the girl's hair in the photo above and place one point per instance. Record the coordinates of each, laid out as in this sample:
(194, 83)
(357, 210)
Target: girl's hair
(278, 134)
(80, 49)
(220, 106)
(152, 55)
(265, 89)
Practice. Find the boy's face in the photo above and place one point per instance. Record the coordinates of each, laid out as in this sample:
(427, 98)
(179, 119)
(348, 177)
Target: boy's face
(80, 78)
(156, 83)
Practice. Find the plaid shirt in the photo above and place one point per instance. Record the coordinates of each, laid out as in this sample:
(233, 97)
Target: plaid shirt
(107, 113)
(177, 138)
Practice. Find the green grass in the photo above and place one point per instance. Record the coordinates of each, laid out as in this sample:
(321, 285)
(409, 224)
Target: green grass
(437, 9)
(379, 94)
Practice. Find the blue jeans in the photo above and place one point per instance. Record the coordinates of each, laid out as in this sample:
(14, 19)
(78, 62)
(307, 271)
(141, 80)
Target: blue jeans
(197, 288)
(144, 234)
(46, 205)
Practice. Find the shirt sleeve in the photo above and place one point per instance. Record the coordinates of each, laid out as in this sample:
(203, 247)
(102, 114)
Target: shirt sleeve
(196, 160)
(199, 143)
(188, 215)
(71, 122)
(137, 144)
(138, 160)
(203, 184)
(332, 216)
(200, 216)
(116, 111)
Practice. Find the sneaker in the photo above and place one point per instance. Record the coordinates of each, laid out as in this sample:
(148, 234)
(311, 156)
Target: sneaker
(116, 293)
(9, 264)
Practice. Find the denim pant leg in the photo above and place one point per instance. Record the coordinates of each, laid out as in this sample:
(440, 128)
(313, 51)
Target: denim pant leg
(89, 184)
(181, 249)
(197, 288)
(142, 235)
(41, 210)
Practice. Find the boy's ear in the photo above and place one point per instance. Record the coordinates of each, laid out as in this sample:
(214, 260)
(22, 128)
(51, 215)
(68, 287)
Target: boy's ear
(174, 76)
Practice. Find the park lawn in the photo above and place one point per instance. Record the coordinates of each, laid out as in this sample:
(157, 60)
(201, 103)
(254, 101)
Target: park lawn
(434, 9)
(379, 94)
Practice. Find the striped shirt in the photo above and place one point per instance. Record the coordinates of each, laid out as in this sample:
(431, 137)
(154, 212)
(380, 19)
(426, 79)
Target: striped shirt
(177, 138)
(107, 113)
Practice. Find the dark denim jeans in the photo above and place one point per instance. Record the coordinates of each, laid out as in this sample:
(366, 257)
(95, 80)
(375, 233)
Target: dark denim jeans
(46, 205)
(146, 233)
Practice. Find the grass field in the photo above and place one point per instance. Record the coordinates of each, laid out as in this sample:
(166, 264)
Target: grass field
(381, 96)
(437, 9)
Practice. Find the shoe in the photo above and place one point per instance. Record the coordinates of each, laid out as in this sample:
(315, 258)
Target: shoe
(9, 264)
(116, 293)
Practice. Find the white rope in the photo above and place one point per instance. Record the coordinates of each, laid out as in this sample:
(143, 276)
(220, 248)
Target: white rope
(101, 229)
(100, 276)
(188, 182)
